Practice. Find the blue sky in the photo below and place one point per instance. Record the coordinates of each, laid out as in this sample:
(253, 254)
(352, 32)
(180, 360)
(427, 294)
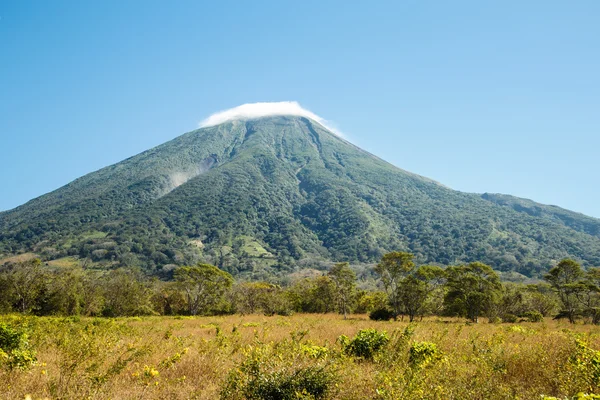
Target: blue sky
(482, 96)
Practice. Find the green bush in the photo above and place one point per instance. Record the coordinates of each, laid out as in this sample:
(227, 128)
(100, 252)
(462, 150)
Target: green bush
(308, 382)
(534, 316)
(423, 353)
(15, 350)
(381, 314)
(283, 374)
(366, 344)
(510, 318)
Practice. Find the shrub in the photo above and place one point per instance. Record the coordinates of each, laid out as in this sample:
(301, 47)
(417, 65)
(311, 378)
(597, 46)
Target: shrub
(587, 362)
(381, 314)
(308, 382)
(534, 316)
(269, 375)
(15, 350)
(510, 318)
(423, 353)
(366, 344)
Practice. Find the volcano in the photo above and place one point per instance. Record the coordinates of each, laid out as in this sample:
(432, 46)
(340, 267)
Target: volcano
(279, 192)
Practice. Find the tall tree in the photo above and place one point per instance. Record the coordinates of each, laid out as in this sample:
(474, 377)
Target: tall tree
(418, 287)
(472, 290)
(26, 282)
(567, 280)
(436, 287)
(413, 294)
(126, 292)
(392, 269)
(204, 286)
(312, 295)
(345, 283)
(590, 297)
(252, 297)
(541, 298)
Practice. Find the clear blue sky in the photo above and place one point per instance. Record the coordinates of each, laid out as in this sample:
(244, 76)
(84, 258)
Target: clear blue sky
(482, 96)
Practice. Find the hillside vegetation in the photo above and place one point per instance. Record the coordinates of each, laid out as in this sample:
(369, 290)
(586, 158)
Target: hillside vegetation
(267, 197)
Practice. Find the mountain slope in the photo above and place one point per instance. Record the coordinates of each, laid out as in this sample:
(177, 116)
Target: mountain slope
(277, 193)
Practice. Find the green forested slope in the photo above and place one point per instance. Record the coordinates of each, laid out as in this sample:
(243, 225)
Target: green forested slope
(274, 194)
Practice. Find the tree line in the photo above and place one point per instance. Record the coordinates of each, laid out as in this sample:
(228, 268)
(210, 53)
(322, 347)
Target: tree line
(406, 290)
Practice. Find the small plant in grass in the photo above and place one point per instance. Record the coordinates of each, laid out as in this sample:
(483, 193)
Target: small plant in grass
(267, 374)
(587, 361)
(314, 351)
(366, 344)
(15, 350)
(423, 353)
(304, 383)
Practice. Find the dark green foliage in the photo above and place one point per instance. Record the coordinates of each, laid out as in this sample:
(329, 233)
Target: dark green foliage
(381, 314)
(263, 197)
(366, 344)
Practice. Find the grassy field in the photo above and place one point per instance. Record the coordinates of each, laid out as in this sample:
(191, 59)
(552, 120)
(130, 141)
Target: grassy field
(256, 356)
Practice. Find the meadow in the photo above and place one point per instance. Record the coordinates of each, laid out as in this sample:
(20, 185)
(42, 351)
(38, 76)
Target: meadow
(290, 357)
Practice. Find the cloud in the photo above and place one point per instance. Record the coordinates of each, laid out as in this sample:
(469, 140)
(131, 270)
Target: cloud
(258, 110)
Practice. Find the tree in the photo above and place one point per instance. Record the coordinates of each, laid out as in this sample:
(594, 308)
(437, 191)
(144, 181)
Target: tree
(344, 280)
(590, 297)
(167, 298)
(412, 293)
(126, 292)
(312, 295)
(65, 292)
(566, 279)
(204, 286)
(472, 290)
(511, 302)
(26, 282)
(322, 294)
(392, 269)
(250, 297)
(418, 287)
(541, 298)
(436, 287)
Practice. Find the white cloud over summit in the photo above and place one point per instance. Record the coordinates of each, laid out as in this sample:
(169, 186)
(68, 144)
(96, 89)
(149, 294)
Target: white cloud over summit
(258, 110)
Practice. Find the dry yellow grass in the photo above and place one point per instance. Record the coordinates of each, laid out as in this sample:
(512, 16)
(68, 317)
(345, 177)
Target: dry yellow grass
(18, 258)
(190, 358)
